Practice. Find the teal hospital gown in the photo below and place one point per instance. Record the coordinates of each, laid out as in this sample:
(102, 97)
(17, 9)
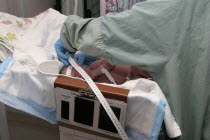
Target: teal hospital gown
(170, 39)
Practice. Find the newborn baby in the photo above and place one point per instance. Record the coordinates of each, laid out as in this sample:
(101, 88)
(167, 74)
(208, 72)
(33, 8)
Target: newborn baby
(102, 71)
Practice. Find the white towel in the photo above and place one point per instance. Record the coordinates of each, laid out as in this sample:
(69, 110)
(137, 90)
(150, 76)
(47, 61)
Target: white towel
(147, 86)
(28, 91)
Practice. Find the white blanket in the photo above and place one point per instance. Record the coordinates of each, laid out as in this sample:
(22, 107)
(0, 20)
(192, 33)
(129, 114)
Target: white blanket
(32, 38)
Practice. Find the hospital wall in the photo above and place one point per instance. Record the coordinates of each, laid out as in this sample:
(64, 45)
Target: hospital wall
(4, 6)
(25, 8)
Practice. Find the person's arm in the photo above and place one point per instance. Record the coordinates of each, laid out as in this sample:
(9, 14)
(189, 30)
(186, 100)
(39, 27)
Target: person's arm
(206, 124)
(145, 36)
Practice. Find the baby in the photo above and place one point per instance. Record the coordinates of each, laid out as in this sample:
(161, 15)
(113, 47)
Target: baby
(102, 71)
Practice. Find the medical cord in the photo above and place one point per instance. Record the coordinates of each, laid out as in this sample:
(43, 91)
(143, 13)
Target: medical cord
(108, 75)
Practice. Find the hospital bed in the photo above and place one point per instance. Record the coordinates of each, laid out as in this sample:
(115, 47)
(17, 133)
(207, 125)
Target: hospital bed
(22, 125)
(25, 126)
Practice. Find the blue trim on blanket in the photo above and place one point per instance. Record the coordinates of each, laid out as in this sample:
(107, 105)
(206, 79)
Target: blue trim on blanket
(135, 135)
(29, 106)
(4, 64)
(159, 115)
(158, 120)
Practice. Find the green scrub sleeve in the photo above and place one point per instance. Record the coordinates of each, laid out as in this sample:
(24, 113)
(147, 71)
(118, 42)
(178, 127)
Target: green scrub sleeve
(82, 34)
(145, 36)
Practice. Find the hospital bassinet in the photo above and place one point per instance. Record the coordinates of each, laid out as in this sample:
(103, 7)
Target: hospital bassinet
(23, 126)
